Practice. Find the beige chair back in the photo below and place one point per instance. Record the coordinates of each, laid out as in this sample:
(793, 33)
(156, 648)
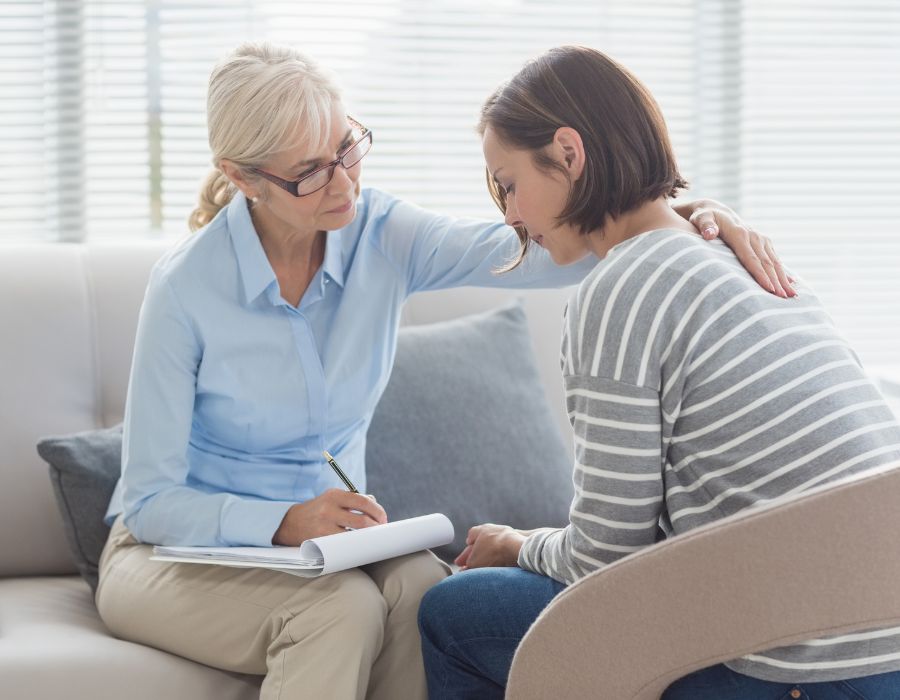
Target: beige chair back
(825, 563)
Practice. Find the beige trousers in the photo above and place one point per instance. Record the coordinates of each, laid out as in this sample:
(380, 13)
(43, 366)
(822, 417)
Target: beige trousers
(349, 635)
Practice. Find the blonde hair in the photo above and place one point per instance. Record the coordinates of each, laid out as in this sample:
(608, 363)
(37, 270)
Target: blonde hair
(258, 97)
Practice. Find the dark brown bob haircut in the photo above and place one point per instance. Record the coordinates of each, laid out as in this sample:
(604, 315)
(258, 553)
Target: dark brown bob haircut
(629, 158)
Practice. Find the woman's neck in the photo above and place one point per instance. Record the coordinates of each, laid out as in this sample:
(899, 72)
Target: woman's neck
(650, 216)
(287, 247)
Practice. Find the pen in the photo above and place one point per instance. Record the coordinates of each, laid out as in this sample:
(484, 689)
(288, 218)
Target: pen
(339, 472)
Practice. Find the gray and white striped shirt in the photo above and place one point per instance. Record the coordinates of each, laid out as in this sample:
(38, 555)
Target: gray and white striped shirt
(695, 394)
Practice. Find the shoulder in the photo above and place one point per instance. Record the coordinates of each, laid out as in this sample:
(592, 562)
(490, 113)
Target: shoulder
(194, 258)
(373, 205)
(378, 210)
(640, 293)
(653, 266)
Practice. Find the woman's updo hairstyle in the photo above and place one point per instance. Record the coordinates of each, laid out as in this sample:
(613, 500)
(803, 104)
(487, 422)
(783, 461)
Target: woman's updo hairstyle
(258, 97)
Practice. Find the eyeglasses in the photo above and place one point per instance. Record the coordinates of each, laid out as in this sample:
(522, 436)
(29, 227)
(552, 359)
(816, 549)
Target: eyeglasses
(321, 176)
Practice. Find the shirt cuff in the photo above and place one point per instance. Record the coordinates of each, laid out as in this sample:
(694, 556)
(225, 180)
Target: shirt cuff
(530, 555)
(251, 523)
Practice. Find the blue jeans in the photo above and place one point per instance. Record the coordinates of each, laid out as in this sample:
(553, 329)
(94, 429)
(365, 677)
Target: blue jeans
(722, 683)
(472, 622)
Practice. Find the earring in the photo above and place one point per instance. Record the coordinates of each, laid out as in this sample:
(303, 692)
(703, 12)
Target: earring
(254, 199)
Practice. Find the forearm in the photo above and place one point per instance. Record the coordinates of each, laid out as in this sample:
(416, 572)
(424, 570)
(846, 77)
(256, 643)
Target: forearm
(618, 486)
(183, 516)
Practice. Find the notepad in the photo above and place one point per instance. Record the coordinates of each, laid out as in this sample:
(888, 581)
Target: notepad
(327, 554)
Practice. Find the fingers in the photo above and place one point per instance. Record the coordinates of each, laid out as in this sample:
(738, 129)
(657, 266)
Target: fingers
(738, 238)
(354, 520)
(463, 558)
(749, 249)
(474, 532)
(755, 251)
(704, 220)
(772, 283)
(764, 250)
(786, 280)
(358, 502)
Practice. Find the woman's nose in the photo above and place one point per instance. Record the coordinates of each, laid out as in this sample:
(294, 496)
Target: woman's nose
(512, 214)
(341, 178)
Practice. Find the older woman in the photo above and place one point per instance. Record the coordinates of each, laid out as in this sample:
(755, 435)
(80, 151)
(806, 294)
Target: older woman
(263, 339)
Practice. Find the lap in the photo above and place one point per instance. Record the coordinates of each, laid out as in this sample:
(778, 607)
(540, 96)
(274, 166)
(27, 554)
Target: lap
(499, 602)
(227, 616)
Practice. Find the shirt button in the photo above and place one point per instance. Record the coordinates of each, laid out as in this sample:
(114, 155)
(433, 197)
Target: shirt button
(795, 694)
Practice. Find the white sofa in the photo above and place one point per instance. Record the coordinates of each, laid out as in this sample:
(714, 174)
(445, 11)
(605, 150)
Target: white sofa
(68, 314)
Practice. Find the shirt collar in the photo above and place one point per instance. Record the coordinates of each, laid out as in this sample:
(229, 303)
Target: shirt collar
(256, 272)
(333, 266)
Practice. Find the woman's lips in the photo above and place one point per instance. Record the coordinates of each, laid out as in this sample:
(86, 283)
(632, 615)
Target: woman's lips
(341, 209)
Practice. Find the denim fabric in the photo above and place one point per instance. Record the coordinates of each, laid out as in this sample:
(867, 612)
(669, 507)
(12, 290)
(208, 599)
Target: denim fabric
(472, 622)
(721, 683)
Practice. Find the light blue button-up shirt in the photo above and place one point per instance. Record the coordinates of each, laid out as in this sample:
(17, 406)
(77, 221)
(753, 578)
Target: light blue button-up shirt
(234, 392)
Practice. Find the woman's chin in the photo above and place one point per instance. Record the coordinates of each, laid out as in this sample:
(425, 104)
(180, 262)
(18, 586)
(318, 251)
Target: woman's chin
(341, 219)
(556, 256)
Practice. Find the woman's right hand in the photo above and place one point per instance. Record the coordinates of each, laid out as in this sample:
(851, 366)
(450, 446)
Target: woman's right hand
(327, 514)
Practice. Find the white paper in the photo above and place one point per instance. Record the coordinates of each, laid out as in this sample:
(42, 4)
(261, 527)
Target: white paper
(328, 554)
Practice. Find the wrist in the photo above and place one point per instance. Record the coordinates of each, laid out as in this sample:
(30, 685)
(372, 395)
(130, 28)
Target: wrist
(287, 533)
(515, 542)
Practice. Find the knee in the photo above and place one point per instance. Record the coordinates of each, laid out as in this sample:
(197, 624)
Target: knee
(419, 575)
(450, 604)
(358, 603)
(407, 579)
(352, 608)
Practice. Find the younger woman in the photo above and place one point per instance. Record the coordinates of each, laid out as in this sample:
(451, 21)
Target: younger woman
(693, 394)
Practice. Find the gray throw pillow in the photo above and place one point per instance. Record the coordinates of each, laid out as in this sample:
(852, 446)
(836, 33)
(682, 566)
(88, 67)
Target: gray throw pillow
(464, 429)
(84, 468)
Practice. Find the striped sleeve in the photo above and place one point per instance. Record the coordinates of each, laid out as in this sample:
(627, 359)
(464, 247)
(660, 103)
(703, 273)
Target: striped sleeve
(618, 480)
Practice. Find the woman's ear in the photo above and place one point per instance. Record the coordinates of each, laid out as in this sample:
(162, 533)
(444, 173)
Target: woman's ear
(569, 150)
(236, 175)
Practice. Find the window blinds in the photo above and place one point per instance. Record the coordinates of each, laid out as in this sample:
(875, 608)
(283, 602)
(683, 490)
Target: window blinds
(787, 110)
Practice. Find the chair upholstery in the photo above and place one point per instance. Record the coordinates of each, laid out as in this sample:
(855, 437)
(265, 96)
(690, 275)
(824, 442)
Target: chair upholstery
(825, 563)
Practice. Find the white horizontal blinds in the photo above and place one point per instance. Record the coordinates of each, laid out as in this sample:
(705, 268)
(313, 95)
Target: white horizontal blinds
(193, 36)
(820, 154)
(73, 119)
(115, 118)
(32, 109)
(63, 190)
(416, 73)
(787, 109)
(688, 54)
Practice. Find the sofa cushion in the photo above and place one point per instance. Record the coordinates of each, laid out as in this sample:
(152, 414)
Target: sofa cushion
(54, 645)
(84, 468)
(464, 428)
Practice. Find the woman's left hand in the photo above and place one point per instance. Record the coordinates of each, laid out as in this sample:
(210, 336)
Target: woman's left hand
(755, 251)
(491, 545)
